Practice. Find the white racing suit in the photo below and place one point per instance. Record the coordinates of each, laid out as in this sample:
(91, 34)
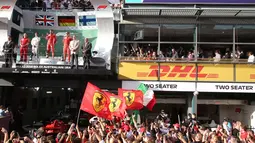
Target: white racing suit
(35, 45)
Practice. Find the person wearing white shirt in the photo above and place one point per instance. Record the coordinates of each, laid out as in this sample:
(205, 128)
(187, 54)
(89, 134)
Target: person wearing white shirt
(217, 56)
(48, 3)
(35, 42)
(251, 57)
(74, 48)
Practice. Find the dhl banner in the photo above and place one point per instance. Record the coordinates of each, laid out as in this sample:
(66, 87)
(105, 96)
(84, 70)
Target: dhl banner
(175, 71)
(137, 71)
(216, 72)
(245, 73)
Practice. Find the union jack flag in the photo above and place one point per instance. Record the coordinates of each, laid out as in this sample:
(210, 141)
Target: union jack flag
(44, 20)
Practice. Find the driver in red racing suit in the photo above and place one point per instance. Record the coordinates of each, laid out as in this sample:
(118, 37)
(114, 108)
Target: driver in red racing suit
(66, 42)
(51, 43)
(24, 42)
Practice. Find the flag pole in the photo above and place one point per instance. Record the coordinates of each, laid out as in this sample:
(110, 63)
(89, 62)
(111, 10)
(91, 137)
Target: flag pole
(78, 117)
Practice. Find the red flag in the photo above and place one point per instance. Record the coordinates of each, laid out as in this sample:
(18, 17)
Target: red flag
(133, 98)
(95, 102)
(117, 105)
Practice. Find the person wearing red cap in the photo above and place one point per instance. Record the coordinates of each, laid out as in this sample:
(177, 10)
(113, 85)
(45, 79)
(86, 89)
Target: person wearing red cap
(176, 126)
(24, 42)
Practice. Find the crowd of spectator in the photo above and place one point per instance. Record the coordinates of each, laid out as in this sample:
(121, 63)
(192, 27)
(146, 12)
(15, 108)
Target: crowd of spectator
(61, 4)
(147, 52)
(132, 130)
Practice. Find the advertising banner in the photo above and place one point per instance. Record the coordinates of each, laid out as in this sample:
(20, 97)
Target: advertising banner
(161, 86)
(216, 72)
(190, 86)
(245, 73)
(192, 1)
(149, 71)
(226, 87)
(175, 71)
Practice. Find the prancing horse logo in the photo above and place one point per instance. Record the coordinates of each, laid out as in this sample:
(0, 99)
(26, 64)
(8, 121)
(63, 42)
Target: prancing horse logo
(99, 101)
(130, 97)
(115, 104)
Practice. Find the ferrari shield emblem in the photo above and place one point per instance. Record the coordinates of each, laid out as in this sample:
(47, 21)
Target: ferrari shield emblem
(115, 104)
(98, 101)
(130, 97)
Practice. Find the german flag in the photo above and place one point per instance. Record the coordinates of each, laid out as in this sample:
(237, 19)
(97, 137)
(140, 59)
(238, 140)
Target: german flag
(66, 21)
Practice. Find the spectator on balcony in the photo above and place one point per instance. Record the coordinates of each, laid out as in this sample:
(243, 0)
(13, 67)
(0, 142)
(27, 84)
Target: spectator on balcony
(69, 7)
(190, 56)
(76, 3)
(56, 4)
(200, 54)
(154, 56)
(47, 4)
(34, 3)
(174, 54)
(251, 57)
(62, 4)
(161, 55)
(227, 54)
(217, 56)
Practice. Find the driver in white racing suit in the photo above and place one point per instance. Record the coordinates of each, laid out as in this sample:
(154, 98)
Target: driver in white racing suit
(35, 45)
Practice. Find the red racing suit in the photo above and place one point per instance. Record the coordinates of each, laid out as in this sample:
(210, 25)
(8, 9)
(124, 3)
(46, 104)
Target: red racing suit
(52, 39)
(24, 42)
(66, 50)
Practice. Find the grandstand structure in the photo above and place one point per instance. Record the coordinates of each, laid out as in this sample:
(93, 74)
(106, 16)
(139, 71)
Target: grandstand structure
(93, 20)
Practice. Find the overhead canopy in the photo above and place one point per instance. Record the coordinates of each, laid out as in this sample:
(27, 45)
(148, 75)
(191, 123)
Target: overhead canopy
(4, 82)
(190, 12)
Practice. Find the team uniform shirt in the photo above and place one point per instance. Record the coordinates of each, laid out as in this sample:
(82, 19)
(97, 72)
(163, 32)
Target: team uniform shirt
(51, 38)
(24, 41)
(67, 41)
(35, 41)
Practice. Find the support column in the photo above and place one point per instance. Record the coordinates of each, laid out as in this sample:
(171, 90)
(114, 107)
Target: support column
(158, 50)
(195, 44)
(234, 43)
(192, 103)
(189, 103)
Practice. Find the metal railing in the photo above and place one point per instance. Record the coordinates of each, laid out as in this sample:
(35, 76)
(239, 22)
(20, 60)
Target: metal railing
(184, 60)
(57, 9)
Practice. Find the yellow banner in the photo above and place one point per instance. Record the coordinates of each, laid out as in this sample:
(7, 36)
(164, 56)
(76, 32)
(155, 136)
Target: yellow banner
(175, 71)
(136, 71)
(216, 72)
(245, 73)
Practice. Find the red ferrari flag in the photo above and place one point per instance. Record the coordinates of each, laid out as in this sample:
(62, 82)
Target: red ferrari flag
(117, 105)
(95, 102)
(133, 98)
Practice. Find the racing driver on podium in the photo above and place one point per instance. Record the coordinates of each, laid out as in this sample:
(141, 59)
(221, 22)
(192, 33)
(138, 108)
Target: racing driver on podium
(24, 42)
(66, 42)
(51, 43)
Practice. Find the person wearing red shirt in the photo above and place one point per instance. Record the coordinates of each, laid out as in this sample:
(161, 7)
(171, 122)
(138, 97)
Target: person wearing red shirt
(66, 42)
(24, 42)
(51, 43)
